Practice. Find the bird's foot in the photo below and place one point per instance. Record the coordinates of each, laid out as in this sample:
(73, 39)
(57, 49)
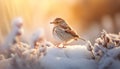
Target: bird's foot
(64, 47)
(60, 46)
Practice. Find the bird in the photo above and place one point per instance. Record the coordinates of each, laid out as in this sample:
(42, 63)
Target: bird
(64, 32)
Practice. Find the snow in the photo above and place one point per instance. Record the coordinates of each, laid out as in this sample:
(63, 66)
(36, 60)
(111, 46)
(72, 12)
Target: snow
(17, 28)
(72, 57)
(39, 34)
(17, 21)
(43, 54)
(110, 59)
(24, 56)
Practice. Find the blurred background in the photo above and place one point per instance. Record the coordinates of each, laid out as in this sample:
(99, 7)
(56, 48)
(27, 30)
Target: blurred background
(87, 17)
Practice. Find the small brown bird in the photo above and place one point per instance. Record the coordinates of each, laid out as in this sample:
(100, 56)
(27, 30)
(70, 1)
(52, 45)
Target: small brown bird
(63, 32)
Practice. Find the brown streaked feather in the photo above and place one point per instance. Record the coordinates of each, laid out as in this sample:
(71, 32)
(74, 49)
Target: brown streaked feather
(65, 27)
(72, 33)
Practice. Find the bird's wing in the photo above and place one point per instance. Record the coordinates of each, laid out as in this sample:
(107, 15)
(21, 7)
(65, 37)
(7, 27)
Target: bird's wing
(65, 27)
(71, 32)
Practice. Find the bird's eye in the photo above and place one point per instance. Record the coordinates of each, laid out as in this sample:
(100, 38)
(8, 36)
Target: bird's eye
(42, 46)
(58, 22)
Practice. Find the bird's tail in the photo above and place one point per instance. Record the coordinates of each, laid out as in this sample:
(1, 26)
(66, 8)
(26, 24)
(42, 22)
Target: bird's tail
(81, 39)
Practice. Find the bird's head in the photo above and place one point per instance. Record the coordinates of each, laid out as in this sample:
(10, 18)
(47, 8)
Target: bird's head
(58, 21)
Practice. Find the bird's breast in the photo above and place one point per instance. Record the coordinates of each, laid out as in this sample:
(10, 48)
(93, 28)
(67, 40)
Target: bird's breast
(61, 35)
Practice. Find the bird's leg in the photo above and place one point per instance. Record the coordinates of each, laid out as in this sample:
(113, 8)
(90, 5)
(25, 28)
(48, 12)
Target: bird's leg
(62, 45)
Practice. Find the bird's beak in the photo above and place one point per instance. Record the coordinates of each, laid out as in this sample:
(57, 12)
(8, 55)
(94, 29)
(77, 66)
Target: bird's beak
(52, 22)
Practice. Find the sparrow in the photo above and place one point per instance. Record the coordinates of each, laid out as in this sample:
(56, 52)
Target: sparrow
(63, 32)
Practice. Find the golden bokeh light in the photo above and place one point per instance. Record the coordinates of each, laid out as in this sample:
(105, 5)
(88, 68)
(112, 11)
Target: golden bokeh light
(80, 14)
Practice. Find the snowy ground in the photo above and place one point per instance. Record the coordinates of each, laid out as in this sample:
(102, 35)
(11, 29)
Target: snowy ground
(72, 57)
